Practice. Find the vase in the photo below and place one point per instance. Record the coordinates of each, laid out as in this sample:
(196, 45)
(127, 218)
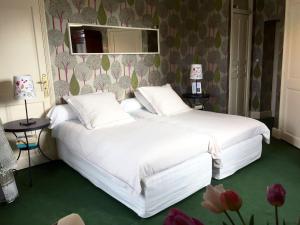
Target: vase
(8, 187)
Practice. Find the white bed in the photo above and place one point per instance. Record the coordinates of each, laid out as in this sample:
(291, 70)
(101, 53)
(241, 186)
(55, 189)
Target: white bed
(147, 165)
(235, 141)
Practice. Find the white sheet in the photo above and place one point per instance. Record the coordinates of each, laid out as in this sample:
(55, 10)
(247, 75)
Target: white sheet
(224, 130)
(133, 151)
(237, 156)
(159, 191)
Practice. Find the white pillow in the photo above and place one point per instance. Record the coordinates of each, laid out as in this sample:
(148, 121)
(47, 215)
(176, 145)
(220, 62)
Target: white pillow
(144, 101)
(59, 114)
(164, 100)
(99, 110)
(131, 105)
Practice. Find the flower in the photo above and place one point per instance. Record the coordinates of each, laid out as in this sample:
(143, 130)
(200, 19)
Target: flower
(276, 194)
(177, 217)
(212, 199)
(231, 200)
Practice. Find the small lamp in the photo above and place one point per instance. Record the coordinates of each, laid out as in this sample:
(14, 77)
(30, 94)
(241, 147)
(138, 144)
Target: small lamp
(196, 75)
(24, 90)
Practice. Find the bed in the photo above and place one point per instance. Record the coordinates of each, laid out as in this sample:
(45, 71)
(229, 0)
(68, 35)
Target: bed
(146, 165)
(235, 141)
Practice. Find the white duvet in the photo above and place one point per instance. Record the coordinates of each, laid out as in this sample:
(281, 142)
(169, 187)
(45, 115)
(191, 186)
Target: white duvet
(133, 151)
(224, 130)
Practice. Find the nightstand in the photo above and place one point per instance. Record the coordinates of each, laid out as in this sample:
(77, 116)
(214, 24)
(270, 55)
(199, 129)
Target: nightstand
(196, 99)
(17, 127)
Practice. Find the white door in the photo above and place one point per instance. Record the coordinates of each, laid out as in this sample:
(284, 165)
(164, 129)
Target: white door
(238, 64)
(289, 121)
(23, 51)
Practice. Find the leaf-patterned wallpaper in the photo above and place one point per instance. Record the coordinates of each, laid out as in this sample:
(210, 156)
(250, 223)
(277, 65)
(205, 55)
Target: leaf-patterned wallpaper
(265, 10)
(191, 31)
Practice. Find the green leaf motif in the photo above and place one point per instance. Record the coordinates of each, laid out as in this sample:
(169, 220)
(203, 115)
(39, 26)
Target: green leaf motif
(74, 86)
(156, 61)
(177, 4)
(102, 17)
(66, 37)
(259, 38)
(134, 80)
(196, 59)
(260, 5)
(178, 77)
(130, 2)
(156, 20)
(255, 103)
(177, 41)
(217, 76)
(105, 63)
(257, 72)
(218, 5)
(218, 40)
(216, 108)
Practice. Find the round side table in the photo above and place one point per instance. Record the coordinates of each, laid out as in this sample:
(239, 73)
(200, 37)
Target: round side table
(193, 98)
(18, 126)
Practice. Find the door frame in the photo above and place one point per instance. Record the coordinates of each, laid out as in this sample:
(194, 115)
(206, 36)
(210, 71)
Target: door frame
(281, 132)
(42, 14)
(248, 12)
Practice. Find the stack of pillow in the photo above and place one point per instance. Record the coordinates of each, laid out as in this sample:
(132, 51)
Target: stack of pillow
(99, 110)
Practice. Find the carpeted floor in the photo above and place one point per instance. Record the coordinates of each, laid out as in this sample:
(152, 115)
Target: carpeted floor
(59, 190)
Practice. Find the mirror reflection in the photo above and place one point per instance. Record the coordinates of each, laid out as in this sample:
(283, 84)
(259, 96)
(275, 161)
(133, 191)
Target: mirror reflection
(95, 39)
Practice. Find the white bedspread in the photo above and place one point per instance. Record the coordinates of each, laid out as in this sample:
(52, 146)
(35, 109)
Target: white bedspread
(224, 130)
(133, 151)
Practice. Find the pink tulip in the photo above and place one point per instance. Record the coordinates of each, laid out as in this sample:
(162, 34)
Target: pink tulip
(231, 200)
(212, 200)
(276, 195)
(176, 217)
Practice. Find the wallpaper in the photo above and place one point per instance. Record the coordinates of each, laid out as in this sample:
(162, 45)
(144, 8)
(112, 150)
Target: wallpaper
(191, 31)
(265, 10)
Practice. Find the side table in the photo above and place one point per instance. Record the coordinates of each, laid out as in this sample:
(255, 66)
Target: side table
(193, 98)
(17, 127)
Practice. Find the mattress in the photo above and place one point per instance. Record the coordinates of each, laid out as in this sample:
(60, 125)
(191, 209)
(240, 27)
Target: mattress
(237, 156)
(159, 191)
(224, 130)
(235, 141)
(132, 151)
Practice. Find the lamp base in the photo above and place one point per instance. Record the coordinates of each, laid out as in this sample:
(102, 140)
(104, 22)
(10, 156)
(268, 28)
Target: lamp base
(196, 87)
(27, 123)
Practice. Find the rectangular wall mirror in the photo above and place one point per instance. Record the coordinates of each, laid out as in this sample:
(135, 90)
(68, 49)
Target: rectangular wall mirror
(97, 39)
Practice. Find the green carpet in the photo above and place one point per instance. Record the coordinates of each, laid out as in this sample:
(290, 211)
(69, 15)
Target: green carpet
(59, 190)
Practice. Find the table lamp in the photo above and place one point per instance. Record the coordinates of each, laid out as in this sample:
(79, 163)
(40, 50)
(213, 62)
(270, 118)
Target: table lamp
(24, 90)
(196, 75)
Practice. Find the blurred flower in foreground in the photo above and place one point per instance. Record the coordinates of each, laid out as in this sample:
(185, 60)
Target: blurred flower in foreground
(176, 217)
(212, 200)
(276, 194)
(231, 200)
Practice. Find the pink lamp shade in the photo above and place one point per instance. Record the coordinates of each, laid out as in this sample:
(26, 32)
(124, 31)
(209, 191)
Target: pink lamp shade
(24, 88)
(196, 72)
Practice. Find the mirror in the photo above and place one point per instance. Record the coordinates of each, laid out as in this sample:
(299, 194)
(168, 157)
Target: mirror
(97, 39)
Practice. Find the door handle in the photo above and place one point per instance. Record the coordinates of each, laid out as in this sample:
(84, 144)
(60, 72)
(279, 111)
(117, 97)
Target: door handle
(45, 84)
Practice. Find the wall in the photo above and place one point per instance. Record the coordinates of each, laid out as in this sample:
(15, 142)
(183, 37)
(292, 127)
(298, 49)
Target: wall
(265, 10)
(267, 65)
(190, 31)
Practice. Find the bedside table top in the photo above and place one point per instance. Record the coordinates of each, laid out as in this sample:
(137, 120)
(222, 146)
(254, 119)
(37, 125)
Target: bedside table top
(15, 126)
(195, 96)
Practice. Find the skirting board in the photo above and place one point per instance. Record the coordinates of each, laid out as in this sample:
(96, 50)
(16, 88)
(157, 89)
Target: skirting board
(276, 133)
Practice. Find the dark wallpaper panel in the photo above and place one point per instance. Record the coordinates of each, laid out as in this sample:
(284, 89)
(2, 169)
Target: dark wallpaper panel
(265, 10)
(191, 31)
